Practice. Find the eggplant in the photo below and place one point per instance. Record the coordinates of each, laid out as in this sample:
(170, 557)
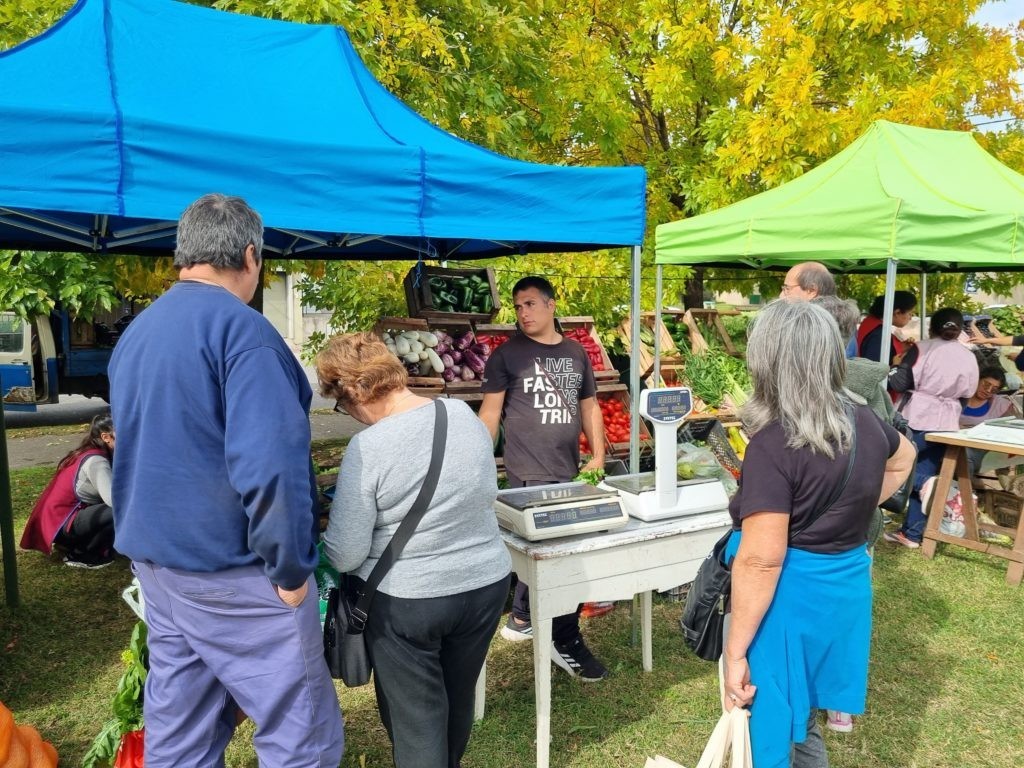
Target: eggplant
(467, 373)
(442, 347)
(482, 349)
(449, 375)
(474, 361)
(447, 361)
(456, 355)
(456, 369)
(465, 341)
(413, 369)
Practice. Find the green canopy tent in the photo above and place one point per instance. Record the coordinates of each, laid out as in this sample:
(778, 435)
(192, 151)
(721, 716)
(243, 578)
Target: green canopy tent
(925, 199)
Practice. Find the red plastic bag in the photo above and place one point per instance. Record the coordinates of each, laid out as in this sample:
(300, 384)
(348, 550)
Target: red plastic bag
(130, 753)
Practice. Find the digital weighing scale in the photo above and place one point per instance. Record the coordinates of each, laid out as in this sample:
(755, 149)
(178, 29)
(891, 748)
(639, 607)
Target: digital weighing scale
(566, 509)
(658, 495)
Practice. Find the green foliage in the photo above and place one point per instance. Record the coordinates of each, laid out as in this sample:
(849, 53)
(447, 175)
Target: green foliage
(31, 283)
(1009, 319)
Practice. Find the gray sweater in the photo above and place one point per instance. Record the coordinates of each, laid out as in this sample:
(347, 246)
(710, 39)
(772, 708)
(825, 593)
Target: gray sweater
(456, 546)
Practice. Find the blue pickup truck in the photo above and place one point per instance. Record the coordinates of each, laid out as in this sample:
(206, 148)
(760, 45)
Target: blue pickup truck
(45, 357)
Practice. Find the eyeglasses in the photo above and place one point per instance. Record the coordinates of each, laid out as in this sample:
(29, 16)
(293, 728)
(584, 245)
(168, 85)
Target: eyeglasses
(339, 408)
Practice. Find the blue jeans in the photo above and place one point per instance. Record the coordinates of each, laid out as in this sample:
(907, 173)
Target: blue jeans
(929, 458)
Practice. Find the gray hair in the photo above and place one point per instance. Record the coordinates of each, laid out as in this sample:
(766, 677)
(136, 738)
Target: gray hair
(813, 275)
(797, 365)
(216, 229)
(844, 311)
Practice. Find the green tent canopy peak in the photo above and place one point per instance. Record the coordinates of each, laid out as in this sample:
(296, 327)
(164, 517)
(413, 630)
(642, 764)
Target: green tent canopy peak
(932, 200)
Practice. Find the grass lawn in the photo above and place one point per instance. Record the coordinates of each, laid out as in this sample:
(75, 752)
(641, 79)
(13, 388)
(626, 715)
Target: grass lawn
(945, 686)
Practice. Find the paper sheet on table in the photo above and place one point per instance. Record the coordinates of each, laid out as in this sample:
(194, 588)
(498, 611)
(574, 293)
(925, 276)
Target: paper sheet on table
(996, 433)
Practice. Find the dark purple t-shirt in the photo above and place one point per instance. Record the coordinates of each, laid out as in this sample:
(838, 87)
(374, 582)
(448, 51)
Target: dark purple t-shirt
(797, 482)
(541, 411)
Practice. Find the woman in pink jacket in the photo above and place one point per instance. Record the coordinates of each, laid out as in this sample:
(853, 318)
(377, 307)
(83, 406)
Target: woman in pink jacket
(933, 375)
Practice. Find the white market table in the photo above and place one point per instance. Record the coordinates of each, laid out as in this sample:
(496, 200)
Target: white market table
(635, 559)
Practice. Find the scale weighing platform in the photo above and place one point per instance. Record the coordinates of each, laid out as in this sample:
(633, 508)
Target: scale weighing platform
(566, 509)
(658, 495)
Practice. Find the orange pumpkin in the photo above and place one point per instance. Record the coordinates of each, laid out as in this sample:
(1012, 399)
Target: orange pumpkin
(21, 746)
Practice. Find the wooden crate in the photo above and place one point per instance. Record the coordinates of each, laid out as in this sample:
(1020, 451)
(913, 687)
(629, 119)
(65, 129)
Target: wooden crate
(670, 361)
(607, 370)
(620, 393)
(455, 328)
(425, 385)
(420, 298)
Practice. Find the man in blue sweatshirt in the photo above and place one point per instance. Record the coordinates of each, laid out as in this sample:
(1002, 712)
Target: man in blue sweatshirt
(215, 503)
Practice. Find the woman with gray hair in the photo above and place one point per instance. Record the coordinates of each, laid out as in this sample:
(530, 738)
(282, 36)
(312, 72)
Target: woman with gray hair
(800, 627)
(865, 378)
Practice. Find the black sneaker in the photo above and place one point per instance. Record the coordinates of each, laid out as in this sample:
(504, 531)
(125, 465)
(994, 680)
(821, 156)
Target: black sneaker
(516, 632)
(576, 659)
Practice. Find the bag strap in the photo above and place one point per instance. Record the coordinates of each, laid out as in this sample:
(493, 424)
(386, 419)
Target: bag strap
(393, 551)
(838, 491)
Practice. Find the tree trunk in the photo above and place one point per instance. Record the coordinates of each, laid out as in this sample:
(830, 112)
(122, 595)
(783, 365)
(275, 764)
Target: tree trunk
(693, 292)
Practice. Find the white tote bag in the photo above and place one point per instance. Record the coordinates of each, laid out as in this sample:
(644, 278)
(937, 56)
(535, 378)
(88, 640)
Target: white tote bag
(729, 745)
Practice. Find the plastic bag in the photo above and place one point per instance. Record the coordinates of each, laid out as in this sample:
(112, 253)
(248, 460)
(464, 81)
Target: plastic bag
(693, 461)
(952, 523)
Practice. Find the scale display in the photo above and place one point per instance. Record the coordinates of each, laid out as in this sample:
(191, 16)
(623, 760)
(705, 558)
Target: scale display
(666, 406)
(560, 517)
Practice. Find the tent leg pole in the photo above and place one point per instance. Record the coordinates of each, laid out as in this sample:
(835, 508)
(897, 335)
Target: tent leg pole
(657, 325)
(634, 363)
(890, 288)
(7, 520)
(922, 312)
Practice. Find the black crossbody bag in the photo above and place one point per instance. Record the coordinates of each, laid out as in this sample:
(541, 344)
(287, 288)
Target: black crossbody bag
(348, 604)
(707, 601)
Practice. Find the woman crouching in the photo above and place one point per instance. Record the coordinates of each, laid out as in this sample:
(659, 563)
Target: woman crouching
(74, 512)
(435, 612)
(799, 633)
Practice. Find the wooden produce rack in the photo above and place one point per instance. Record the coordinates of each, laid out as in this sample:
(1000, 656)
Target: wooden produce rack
(427, 386)
(713, 318)
(468, 391)
(670, 362)
(620, 393)
(421, 301)
(606, 372)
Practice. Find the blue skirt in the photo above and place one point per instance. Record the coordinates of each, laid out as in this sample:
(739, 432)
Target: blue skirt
(811, 650)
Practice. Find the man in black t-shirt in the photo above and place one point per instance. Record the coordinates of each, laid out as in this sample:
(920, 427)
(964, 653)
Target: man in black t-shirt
(542, 386)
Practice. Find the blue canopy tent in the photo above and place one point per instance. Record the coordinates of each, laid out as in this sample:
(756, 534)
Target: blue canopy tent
(125, 111)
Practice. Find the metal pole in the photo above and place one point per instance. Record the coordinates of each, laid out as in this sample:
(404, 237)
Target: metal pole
(657, 326)
(922, 313)
(634, 363)
(890, 288)
(7, 518)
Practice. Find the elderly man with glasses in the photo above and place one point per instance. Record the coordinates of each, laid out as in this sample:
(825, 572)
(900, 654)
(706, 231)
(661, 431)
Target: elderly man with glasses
(806, 281)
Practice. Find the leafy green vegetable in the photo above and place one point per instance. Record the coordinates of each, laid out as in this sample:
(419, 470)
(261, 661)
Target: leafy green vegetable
(127, 703)
(591, 476)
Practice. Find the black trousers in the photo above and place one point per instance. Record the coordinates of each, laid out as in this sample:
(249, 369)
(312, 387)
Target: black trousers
(564, 629)
(91, 535)
(427, 655)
